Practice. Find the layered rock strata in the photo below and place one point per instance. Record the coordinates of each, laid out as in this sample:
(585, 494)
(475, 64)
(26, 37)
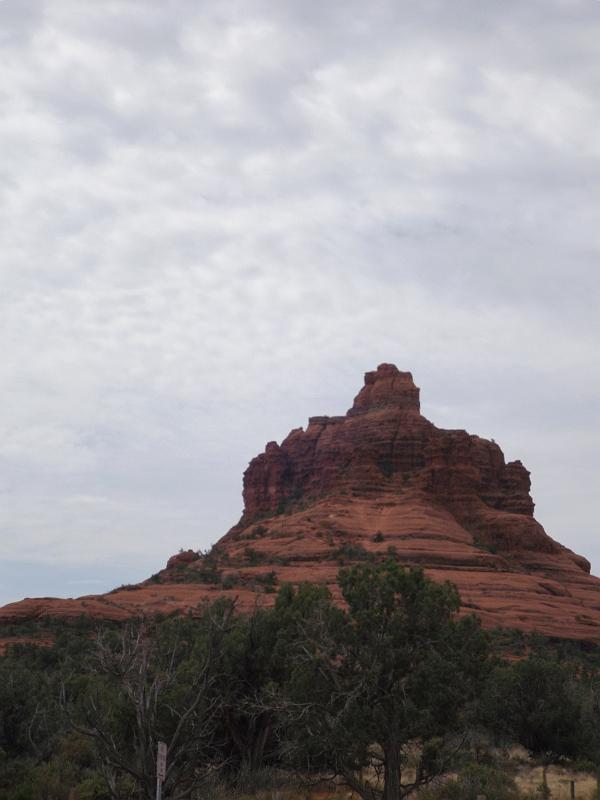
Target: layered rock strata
(379, 482)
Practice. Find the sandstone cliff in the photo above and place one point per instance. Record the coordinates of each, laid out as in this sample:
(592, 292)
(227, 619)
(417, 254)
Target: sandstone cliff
(381, 481)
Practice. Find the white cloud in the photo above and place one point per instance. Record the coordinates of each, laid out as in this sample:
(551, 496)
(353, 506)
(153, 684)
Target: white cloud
(214, 217)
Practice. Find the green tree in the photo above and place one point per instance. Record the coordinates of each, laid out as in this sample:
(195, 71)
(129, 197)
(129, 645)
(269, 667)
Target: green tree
(588, 692)
(38, 757)
(256, 661)
(536, 702)
(249, 666)
(385, 685)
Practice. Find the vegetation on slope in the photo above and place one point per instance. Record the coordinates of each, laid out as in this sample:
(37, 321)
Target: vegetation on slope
(386, 694)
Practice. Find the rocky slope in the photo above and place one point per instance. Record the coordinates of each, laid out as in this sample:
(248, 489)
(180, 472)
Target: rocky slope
(380, 481)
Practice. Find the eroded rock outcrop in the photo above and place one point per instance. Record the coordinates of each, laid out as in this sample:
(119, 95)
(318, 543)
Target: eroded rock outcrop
(381, 481)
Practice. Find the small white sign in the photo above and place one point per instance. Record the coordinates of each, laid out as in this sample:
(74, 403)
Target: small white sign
(161, 761)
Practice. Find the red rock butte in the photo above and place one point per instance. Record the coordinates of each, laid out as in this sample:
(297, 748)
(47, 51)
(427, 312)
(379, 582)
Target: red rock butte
(379, 482)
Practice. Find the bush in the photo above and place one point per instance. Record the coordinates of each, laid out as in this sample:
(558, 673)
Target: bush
(253, 556)
(474, 781)
(257, 531)
(350, 552)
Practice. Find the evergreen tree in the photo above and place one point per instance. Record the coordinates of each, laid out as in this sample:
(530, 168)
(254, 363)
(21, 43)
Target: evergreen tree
(386, 684)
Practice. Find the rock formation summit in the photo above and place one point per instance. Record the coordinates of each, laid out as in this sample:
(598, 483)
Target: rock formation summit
(380, 482)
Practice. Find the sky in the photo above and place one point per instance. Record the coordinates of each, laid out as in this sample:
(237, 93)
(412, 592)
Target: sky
(216, 216)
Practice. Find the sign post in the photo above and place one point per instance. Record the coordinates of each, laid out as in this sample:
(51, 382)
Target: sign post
(161, 768)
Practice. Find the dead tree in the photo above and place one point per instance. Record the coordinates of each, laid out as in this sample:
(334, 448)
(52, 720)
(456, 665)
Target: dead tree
(151, 683)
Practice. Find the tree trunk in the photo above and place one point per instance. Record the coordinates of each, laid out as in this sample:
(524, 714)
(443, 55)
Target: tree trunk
(545, 780)
(258, 746)
(392, 773)
(250, 736)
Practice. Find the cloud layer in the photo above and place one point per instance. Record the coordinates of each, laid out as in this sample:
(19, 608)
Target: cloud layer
(214, 217)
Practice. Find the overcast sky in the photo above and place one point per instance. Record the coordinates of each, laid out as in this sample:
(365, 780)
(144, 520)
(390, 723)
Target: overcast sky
(216, 216)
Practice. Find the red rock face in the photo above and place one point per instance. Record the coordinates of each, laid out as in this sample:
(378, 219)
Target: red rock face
(383, 446)
(381, 481)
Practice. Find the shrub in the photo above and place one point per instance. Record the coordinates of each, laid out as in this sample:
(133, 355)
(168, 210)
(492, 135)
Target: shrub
(352, 552)
(477, 780)
(253, 556)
